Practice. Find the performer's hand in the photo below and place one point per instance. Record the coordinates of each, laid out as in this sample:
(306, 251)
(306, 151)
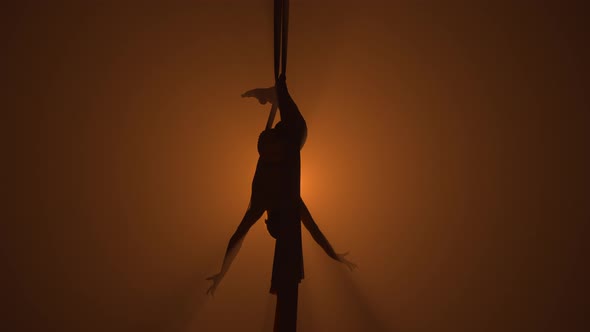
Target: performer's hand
(263, 95)
(340, 257)
(216, 280)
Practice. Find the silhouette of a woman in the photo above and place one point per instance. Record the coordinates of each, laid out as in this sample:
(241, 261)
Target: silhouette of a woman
(275, 189)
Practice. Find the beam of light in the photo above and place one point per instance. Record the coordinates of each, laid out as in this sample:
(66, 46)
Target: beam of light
(350, 293)
(179, 307)
(269, 313)
(351, 290)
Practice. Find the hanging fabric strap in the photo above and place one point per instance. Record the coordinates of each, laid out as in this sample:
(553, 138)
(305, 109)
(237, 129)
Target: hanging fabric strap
(281, 28)
(281, 24)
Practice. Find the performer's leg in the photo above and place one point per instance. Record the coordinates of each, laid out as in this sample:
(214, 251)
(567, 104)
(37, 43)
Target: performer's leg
(286, 312)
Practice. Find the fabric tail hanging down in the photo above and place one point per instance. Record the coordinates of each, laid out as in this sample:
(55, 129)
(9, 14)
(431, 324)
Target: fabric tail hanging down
(287, 269)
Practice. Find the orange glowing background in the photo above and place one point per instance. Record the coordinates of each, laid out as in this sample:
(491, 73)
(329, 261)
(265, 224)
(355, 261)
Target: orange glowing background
(447, 151)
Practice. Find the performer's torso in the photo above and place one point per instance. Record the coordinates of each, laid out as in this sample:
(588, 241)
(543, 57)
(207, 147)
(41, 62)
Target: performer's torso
(278, 169)
(276, 188)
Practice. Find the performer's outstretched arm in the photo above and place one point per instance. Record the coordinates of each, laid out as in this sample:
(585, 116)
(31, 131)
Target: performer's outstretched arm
(320, 239)
(235, 243)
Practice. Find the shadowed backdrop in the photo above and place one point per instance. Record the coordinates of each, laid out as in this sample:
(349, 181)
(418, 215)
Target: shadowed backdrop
(447, 151)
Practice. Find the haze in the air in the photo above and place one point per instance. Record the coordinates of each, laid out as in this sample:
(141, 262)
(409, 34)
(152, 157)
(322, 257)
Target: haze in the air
(447, 151)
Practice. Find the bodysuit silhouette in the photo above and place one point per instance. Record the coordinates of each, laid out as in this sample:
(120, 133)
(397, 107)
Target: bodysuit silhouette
(278, 148)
